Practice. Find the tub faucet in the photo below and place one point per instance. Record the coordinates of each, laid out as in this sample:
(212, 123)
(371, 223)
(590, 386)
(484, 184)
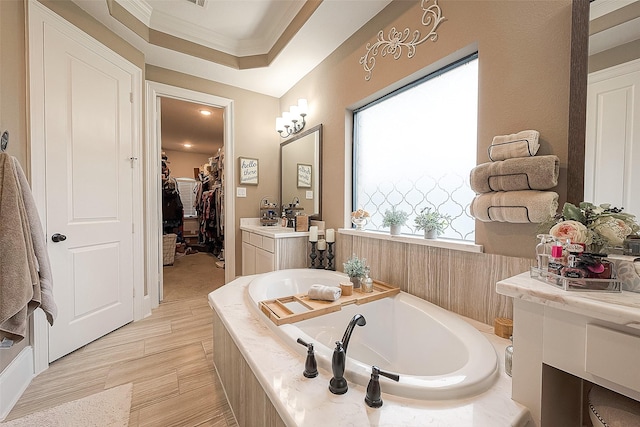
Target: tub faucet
(359, 320)
(338, 384)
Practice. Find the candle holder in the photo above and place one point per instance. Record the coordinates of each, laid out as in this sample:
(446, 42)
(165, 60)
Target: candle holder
(321, 258)
(313, 254)
(330, 256)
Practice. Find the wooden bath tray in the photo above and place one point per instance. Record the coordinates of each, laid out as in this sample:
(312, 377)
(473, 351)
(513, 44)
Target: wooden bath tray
(293, 308)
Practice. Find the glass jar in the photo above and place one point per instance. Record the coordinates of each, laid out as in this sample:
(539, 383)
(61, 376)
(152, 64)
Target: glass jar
(367, 282)
(543, 250)
(508, 357)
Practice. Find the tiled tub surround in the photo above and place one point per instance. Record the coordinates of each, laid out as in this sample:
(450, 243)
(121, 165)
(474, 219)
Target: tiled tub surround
(590, 335)
(263, 380)
(453, 275)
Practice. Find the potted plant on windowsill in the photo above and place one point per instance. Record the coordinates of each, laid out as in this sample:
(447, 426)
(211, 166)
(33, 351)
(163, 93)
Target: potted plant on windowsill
(394, 219)
(354, 268)
(432, 222)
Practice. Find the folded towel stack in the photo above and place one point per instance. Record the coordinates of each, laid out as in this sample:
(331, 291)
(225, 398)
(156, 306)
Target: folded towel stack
(521, 144)
(325, 293)
(510, 184)
(515, 206)
(526, 173)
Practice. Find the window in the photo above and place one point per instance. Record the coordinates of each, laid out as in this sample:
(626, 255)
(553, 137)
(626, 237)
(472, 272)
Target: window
(186, 188)
(415, 148)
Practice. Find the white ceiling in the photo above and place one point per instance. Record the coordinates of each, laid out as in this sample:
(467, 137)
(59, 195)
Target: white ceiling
(241, 28)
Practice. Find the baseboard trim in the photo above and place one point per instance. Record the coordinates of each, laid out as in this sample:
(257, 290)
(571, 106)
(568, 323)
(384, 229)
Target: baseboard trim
(15, 379)
(146, 306)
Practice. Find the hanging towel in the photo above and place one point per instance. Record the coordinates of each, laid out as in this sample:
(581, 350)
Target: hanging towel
(47, 302)
(525, 173)
(19, 284)
(521, 144)
(325, 293)
(525, 206)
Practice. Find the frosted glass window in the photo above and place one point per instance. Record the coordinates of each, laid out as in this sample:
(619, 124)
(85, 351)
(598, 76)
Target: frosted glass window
(415, 148)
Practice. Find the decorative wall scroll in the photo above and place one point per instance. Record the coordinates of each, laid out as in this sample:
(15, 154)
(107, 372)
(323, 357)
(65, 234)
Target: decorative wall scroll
(248, 171)
(431, 16)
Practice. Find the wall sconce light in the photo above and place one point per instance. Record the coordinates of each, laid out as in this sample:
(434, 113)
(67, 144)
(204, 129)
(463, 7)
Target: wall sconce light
(292, 121)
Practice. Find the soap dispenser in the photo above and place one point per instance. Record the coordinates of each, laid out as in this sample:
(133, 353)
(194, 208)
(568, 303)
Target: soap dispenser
(367, 282)
(338, 384)
(373, 398)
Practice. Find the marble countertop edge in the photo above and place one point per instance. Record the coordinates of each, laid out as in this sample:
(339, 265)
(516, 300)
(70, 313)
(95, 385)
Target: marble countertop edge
(622, 307)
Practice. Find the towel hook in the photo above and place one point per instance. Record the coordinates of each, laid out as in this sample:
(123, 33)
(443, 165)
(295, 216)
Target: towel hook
(4, 142)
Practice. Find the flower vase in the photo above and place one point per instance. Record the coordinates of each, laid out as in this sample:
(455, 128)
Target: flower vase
(431, 234)
(359, 223)
(395, 230)
(356, 281)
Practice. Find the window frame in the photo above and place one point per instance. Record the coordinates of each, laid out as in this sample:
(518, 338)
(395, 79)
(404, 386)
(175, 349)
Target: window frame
(354, 146)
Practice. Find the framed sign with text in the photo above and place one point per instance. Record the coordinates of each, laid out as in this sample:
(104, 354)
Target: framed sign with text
(248, 171)
(304, 176)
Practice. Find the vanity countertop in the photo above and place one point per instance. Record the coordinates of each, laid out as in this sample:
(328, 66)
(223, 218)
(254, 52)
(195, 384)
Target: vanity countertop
(621, 308)
(274, 231)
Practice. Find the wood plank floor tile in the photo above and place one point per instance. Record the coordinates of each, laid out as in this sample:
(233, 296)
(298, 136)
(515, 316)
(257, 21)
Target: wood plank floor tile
(151, 366)
(154, 390)
(177, 340)
(188, 409)
(197, 374)
(130, 333)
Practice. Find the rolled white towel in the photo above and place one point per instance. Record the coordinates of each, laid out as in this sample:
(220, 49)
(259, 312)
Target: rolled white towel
(521, 144)
(325, 293)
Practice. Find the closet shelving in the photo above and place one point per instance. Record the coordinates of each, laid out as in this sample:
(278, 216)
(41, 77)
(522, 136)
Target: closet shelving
(210, 205)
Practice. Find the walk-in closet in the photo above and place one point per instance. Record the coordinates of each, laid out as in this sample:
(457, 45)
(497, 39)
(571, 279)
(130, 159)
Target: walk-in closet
(192, 186)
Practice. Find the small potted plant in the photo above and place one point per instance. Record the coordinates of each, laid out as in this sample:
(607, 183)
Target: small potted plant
(355, 268)
(394, 219)
(432, 222)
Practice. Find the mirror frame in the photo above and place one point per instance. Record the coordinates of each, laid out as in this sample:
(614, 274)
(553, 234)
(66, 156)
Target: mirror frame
(318, 128)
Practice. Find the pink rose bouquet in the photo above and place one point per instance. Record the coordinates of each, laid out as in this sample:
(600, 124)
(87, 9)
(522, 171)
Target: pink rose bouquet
(571, 230)
(596, 226)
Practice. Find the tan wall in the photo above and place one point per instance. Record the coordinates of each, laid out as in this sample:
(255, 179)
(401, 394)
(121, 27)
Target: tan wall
(181, 164)
(13, 110)
(13, 84)
(524, 70)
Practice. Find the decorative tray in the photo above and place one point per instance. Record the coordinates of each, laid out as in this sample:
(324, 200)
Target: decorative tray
(580, 285)
(294, 308)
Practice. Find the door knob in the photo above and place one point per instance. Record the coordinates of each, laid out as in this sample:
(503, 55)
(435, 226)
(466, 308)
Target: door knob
(58, 237)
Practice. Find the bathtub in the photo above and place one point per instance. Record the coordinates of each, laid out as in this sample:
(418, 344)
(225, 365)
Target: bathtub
(437, 354)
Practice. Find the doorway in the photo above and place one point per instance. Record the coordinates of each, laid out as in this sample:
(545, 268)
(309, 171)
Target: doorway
(192, 194)
(156, 94)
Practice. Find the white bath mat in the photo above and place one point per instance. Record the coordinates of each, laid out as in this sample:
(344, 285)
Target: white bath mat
(107, 408)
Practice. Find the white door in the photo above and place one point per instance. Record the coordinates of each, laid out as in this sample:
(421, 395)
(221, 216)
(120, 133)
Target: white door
(612, 149)
(89, 183)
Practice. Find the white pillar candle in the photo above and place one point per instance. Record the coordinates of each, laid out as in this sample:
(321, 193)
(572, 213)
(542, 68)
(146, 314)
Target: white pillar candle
(313, 233)
(331, 235)
(322, 245)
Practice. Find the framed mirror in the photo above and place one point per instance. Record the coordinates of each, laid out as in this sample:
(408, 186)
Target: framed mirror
(301, 171)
